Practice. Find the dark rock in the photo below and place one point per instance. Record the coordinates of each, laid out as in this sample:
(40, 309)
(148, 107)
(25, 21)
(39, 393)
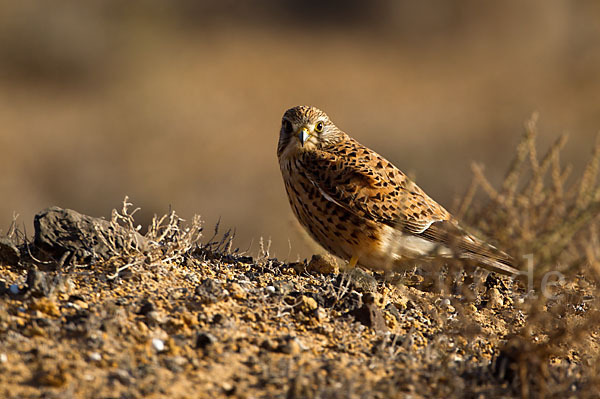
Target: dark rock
(368, 299)
(75, 297)
(204, 340)
(145, 307)
(9, 253)
(245, 259)
(77, 325)
(64, 233)
(370, 316)
(505, 365)
(269, 344)
(299, 267)
(81, 317)
(492, 280)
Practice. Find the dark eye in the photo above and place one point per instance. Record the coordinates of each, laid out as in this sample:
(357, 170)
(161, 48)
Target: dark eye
(319, 127)
(287, 126)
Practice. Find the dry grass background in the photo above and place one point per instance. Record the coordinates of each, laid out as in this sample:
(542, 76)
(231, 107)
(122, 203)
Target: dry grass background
(179, 103)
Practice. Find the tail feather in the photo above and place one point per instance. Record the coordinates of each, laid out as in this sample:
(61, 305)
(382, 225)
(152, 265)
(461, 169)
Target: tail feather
(466, 246)
(491, 264)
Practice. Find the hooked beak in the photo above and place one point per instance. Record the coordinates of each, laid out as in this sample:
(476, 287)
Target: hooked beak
(303, 135)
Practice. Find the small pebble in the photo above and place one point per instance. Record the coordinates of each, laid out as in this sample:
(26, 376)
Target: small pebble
(179, 361)
(269, 344)
(270, 289)
(307, 304)
(122, 376)
(3, 358)
(14, 289)
(495, 299)
(95, 357)
(291, 346)
(320, 314)
(324, 264)
(158, 344)
(447, 305)
(228, 388)
(156, 317)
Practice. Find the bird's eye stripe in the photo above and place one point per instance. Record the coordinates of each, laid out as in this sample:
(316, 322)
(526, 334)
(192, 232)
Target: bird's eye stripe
(287, 126)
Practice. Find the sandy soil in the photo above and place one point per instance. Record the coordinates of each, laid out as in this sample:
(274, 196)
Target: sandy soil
(209, 323)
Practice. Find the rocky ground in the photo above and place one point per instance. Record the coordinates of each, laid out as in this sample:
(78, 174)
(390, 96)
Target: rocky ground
(91, 309)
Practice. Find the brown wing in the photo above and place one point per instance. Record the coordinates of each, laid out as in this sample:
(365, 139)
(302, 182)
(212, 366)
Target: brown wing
(364, 183)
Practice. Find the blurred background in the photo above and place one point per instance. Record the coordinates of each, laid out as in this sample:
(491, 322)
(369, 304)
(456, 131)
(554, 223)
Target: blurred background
(178, 103)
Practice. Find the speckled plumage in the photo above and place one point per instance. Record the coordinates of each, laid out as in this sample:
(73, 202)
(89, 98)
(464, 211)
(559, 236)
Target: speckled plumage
(362, 208)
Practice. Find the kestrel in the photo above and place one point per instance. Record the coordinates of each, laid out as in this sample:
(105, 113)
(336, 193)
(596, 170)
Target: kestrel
(363, 209)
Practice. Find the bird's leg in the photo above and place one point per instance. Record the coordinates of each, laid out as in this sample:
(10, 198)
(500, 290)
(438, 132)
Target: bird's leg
(352, 262)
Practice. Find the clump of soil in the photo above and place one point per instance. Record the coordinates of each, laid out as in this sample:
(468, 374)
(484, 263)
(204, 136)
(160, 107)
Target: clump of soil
(91, 308)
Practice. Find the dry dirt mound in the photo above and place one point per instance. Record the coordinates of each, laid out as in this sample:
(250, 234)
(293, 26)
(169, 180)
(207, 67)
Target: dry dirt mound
(93, 309)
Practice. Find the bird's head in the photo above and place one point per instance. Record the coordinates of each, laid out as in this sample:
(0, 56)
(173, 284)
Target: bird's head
(305, 128)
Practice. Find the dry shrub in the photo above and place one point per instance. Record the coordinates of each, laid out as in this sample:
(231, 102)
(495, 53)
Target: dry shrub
(166, 241)
(535, 211)
(549, 222)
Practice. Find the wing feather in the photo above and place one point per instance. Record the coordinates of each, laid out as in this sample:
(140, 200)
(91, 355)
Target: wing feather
(369, 186)
(365, 184)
